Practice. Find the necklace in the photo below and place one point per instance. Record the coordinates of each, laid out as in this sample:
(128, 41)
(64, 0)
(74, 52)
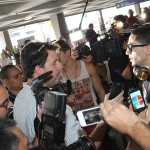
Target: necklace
(75, 75)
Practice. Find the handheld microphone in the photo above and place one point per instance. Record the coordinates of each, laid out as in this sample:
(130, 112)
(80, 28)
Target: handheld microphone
(40, 80)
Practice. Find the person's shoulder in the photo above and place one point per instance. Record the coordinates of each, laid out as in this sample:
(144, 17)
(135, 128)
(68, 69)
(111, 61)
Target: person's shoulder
(25, 93)
(87, 31)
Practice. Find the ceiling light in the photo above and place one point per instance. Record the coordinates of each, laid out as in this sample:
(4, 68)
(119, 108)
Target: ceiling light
(28, 18)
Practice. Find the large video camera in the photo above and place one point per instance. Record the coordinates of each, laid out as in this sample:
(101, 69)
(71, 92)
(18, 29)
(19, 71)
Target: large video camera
(52, 125)
(83, 50)
(51, 129)
(109, 47)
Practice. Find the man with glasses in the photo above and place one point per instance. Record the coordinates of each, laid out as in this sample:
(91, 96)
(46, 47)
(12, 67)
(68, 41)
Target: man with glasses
(13, 79)
(36, 59)
(5, 103)
(118, 116)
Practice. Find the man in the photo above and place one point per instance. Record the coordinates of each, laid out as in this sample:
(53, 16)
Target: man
(131, 20)
(91, 35)
(117, 115)
(13, 79)
(5, 103)
(38, 58)
(83, 76)
(11, 137)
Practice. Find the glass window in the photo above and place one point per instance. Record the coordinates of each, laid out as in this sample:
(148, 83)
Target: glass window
(74, 21)
(110, 13)
(144, 4)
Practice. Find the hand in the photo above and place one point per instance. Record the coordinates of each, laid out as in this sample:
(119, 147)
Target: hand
(145, 115)
(118, 99)
(118, 116)
(74, 53)
(87, 59)
(40, 111)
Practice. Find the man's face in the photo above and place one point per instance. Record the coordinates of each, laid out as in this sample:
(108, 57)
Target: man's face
(4, 101)
(15, 81)
(23, 140)
(63, 57)
(91, 27)
(138, 56)
(52, 64)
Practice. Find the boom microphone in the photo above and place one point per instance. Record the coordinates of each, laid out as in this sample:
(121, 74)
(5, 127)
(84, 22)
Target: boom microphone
(40, 80)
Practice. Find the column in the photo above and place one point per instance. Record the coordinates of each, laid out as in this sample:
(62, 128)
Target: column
(7, 39)
(137, 9)
(59, 25)
(101, 21)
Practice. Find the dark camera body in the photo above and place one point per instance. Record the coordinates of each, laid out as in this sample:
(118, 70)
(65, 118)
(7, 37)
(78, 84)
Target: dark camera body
(83, 51)
(115, 90)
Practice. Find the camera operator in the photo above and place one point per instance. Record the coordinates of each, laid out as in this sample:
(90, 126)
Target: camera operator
(91, 35)
(38, 58)
(118, 116)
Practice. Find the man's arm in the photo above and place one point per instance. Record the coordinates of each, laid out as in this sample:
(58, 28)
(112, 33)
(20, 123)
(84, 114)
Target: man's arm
(98, 134)
(126, 122)
(96, 80)
(92, 37)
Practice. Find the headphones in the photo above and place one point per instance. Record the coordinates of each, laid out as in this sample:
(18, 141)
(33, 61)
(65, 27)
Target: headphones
(142, 73)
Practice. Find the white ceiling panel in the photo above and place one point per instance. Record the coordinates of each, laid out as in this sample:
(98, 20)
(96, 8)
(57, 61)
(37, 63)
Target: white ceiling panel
(13, 12)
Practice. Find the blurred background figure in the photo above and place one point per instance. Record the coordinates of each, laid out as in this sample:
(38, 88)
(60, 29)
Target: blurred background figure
(91, 35)
(146, 14)
(132, 19)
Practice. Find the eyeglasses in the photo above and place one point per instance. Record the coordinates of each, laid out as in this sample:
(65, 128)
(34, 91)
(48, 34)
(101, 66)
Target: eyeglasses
(130, 46)
(5, 103)
(45, 45)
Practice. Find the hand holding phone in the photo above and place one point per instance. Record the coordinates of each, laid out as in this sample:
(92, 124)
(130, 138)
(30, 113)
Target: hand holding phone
(115, 90)
(90, 116)
(137, 100)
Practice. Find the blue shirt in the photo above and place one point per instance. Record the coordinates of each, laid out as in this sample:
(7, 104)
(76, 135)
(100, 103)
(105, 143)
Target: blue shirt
(90, 33)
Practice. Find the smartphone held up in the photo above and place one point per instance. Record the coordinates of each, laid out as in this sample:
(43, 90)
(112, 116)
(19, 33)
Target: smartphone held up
(90, 116)
(116, 89)
(137, 100)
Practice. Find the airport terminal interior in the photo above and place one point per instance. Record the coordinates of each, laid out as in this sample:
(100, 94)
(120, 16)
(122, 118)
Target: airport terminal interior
(96, 33)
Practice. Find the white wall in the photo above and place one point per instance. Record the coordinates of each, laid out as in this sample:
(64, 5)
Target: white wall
(2, 42)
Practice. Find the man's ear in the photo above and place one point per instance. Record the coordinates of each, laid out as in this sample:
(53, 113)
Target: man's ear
(148, 49)
(5, 81)
(68, 52)
(38, 70)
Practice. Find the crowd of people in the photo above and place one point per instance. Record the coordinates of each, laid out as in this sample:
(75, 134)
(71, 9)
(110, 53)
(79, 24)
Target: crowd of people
(19, 108)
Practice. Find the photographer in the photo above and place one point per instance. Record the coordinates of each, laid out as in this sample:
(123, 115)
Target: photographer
(36, 59)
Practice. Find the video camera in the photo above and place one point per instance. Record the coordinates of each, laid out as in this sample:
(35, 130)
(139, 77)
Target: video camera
(52, 126)
(110, 46)
(83, 50)
(51, 129)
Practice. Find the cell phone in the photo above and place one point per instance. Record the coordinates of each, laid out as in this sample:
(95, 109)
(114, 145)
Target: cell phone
(90, 116)
(137, 100)
(115, 90)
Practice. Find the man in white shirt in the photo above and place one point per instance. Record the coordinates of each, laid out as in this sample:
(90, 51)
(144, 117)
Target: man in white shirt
(38, 58)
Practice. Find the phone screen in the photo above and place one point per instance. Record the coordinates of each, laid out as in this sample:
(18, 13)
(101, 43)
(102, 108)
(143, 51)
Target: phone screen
(137, 101)
(90, 116)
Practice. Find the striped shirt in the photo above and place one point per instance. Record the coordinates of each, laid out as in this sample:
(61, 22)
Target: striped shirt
(25, 113)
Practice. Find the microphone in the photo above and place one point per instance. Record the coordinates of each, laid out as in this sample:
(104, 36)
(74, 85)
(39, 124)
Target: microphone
(39, 80)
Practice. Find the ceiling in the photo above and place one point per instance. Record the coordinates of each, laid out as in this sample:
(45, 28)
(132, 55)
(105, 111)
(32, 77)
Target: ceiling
(14, 12)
